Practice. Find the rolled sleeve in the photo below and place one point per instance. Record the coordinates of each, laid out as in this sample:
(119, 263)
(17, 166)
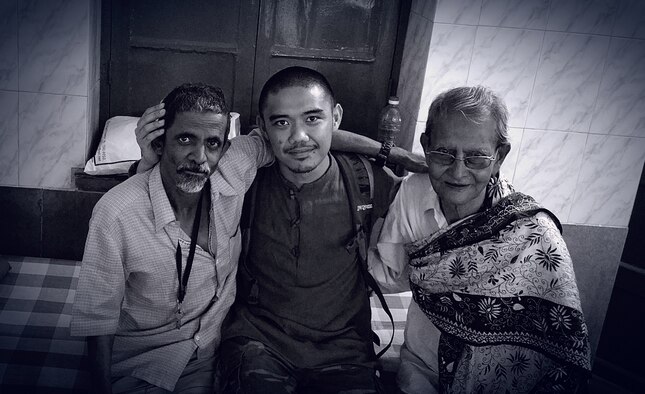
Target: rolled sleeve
(241, 161)
(255, 146)
(101, 284)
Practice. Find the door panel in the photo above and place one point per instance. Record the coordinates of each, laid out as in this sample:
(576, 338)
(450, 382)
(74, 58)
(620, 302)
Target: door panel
(238, 44)
(350, 41)
(157, 46)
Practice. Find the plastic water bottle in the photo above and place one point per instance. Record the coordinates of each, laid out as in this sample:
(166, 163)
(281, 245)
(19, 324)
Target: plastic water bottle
(389, 123)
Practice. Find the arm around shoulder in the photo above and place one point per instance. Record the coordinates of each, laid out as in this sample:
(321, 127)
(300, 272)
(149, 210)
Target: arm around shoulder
(346, 141)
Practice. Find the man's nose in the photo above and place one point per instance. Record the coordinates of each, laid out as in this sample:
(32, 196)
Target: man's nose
(198, 154)
(298, 133)
(458, 168)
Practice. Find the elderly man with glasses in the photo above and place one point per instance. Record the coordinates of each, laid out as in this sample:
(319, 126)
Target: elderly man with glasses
(496, 306)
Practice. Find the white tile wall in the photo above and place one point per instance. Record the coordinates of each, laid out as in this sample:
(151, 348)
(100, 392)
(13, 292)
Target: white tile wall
(531, 14)
(8, 138)
(506, 60)
(44, 51)
(567, 81)
(448, 61)
(52, 136)
(54, 46)
(607, 188)
(8, 44)
(620, 108)
(582, 16)
(572, 73)
(548, 166)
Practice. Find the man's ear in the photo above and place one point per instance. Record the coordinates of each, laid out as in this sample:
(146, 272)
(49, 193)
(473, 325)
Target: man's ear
(260, 122)
(337, 113)
(425, 141)
(502, 152)
(157, 144)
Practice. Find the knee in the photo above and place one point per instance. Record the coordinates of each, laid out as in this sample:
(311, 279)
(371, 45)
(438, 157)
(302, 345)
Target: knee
(247, 365)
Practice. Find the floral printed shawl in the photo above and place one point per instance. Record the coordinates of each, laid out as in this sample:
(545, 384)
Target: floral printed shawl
(500, 287)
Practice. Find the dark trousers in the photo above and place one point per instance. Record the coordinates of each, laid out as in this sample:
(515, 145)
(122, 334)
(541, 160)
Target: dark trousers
(248, 366)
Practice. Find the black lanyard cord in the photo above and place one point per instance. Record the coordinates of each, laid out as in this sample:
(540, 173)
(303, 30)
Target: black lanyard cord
(183, 279)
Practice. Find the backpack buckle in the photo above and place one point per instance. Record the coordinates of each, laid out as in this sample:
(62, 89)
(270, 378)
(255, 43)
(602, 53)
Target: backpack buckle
(358, 242)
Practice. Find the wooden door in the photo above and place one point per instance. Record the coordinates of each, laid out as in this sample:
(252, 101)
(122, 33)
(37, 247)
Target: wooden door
(238, 44)
(157, 45)
(351, 42)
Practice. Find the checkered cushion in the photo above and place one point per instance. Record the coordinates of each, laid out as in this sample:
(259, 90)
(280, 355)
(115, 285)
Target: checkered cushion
(398, 304)
(36, 352)
(38, 355)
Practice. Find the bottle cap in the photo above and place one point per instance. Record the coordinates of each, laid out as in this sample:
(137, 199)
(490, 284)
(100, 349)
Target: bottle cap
(393, 100)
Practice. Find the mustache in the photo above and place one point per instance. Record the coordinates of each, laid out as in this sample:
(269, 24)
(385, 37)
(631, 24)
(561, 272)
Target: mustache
(301, 145)
(203, 168)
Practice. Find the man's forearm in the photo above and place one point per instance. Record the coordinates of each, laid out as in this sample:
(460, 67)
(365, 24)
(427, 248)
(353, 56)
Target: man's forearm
(99, 352)
(346, 141)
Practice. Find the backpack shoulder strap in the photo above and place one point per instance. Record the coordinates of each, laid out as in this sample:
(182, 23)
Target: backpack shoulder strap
(247, 287)
(359, 182)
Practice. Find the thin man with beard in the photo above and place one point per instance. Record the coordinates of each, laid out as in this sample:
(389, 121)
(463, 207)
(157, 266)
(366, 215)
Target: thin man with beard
(148, 327)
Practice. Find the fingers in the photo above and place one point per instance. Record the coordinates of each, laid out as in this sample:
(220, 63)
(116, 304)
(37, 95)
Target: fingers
(149, 126)
(149, 137)
(150, 131)
(151, 114)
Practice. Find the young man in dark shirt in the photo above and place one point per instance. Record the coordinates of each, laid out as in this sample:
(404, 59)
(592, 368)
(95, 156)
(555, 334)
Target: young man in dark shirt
(307, 325)
(301, 321)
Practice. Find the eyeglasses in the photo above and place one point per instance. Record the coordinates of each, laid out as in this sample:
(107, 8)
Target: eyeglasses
(472, 162)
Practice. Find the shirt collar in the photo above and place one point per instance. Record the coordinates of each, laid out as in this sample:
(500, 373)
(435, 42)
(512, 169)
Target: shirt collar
(431, 202)
(161, 208)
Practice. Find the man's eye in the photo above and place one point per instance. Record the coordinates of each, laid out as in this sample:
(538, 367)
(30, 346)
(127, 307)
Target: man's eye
(312, 119)
(213, 144)
(183, 140)
(280, 122)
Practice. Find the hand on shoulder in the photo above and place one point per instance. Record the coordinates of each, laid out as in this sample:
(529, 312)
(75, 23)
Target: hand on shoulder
(149, 127)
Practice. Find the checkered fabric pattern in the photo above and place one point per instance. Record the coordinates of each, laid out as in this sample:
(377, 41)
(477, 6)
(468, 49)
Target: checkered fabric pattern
(36, 352)
(38, 355)
(398, 304)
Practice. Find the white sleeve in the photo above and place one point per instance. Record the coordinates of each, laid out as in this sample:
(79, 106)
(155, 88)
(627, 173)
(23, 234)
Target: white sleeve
(254, 146)
(387, 260)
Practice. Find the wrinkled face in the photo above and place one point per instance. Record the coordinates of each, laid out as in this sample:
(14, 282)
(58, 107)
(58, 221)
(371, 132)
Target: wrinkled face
(457, 185)
(299, 122)
(192, 147)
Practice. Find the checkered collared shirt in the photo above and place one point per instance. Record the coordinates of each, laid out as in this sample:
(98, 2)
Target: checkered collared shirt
(128, 280)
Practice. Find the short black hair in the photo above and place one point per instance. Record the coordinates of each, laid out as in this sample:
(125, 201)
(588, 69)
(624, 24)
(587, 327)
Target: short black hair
(294, 76)
(195, 97)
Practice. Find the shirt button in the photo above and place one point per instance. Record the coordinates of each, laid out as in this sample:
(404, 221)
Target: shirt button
(197, 338)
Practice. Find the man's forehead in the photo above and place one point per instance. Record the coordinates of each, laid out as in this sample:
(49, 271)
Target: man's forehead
(297, 100)
(207, 124)
(199, 118)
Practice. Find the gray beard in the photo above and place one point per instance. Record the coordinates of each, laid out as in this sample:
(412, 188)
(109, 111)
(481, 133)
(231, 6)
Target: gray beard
(190, 183)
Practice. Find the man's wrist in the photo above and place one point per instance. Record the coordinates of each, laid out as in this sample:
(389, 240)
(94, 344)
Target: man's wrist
(384, 153)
